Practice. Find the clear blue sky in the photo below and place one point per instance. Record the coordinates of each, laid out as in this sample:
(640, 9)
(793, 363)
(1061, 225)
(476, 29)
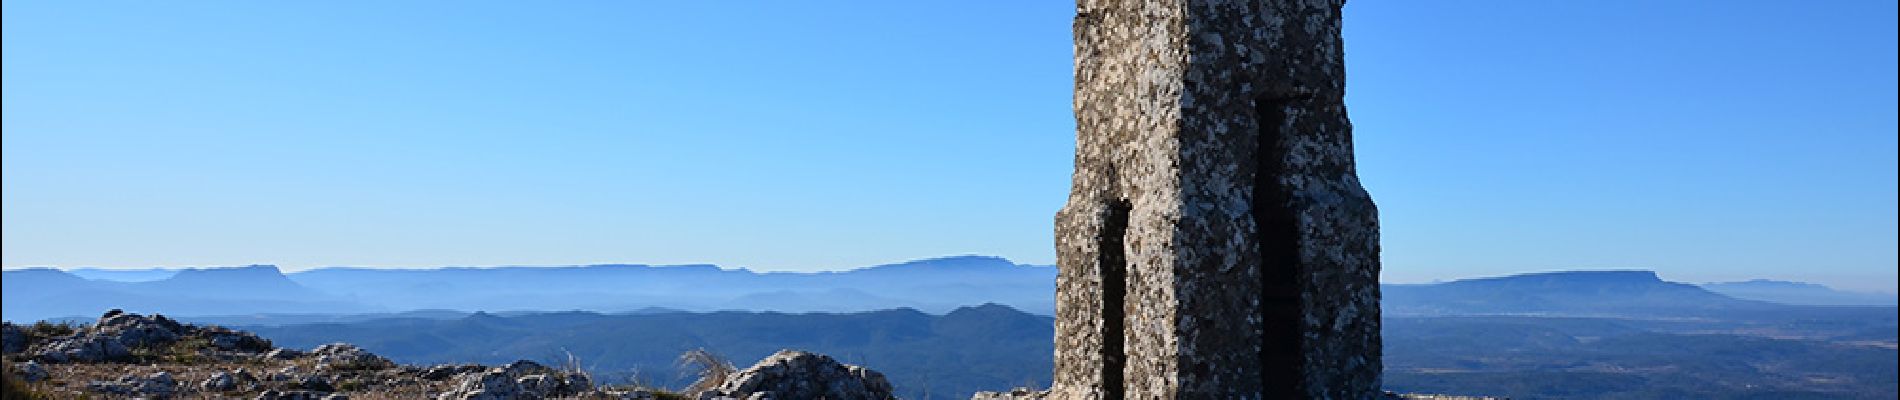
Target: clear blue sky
(1708, 140)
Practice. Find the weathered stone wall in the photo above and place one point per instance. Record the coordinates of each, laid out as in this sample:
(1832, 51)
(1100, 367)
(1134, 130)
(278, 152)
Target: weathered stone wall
(1216, 229)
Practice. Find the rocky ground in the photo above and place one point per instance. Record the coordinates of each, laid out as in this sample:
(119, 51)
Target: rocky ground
(1032, 394)
(126, 355)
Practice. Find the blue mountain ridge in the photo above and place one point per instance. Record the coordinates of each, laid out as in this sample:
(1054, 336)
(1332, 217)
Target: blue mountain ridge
(1801, 293)
(936, 285)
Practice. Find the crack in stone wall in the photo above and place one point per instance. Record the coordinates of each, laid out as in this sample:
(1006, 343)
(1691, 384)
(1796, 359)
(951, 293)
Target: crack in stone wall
(1277, 241)
(1114, 298)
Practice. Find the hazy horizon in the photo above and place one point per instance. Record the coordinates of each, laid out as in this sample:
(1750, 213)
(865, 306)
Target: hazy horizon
(294, 269)
(1707, 141)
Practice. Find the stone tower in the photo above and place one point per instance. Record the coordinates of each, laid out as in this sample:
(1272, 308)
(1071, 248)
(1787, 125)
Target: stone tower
(1216, 242)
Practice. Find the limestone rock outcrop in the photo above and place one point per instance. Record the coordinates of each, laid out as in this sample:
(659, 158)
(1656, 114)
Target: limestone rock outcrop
(117, 334)
(31, 371)
(223, 381)
(345, 357)
(519, 380)
(1013, 394)
(132, 355)
(792, 374)
(160, 385)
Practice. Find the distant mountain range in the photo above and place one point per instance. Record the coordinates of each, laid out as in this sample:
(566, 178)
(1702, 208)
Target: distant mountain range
(1573, 293)
(33, 294)
(1598, 293)
(935, 285)
(262, 294)
(1578, 334)
(1801, 293)
(124, 275)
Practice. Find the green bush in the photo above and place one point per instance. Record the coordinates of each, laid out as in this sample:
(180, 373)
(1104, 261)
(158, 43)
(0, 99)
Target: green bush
(47, 330)
(187, 351)
(665, 395)
(41, 331)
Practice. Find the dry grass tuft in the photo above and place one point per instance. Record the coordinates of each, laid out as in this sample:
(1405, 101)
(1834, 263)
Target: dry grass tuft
(12, 387)
(712, 370)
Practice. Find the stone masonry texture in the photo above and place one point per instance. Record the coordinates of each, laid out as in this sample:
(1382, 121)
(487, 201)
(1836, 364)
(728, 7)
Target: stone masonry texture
(1216, 242)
